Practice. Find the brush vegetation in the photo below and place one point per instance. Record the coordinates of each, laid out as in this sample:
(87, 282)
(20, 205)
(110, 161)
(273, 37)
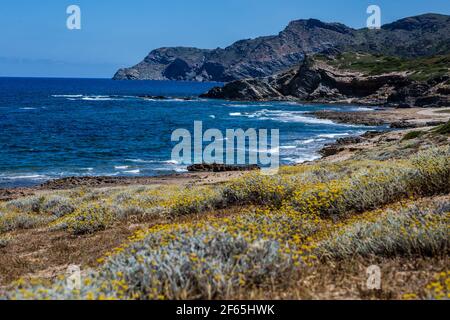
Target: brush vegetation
(420, 69)
(284, 225)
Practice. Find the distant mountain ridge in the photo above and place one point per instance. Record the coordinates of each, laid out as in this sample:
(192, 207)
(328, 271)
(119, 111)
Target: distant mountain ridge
(422, 35)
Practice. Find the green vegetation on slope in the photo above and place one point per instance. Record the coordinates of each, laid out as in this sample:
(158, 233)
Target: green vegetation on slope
(421, 69)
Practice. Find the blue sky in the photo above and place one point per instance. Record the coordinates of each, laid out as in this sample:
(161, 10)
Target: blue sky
(34, 40)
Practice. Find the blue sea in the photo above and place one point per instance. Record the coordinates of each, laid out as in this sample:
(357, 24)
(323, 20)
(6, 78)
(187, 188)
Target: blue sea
(53, 128)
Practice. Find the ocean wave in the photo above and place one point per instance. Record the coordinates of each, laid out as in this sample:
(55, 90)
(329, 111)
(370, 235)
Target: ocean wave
(283, 116)
(100, 98)
(136, 171)
(301, 158)
(28, 108)
(171, 162)
(121, 167)
(264, 150)
(67, 96)
(333, 135)
(25, 177)
(81, 97)
(140, 161)
(363, 109)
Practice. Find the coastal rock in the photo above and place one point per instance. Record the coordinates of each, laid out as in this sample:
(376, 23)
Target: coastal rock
(216, 167)
(265, 56)
(320, 81)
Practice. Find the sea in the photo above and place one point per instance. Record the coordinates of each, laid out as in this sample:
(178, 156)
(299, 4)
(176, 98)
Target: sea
(55, 128)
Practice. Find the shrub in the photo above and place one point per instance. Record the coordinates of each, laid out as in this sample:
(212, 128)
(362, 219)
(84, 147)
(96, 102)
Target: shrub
(199, 260)
(443, 129)
(257, 189)
(58, 206)
(433, 171)
(194, 201)
(412, 135)
(89, 219)
(18, 220)
(4, 242)
(413, 231)
(28, 204)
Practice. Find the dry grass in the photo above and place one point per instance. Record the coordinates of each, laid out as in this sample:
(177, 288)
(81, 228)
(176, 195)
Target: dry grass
(250, 236)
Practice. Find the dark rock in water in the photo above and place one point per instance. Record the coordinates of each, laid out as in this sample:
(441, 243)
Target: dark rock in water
(149, 97)
(265, 56)
(153, 97)
(216, 167)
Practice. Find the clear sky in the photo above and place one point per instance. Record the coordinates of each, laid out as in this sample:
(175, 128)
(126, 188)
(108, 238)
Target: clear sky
(34, 39)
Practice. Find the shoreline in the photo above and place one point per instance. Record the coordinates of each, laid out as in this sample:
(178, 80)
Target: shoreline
(403, 120)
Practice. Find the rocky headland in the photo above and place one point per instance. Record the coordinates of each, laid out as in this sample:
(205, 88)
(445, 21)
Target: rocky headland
(265, 56)
(331, 79)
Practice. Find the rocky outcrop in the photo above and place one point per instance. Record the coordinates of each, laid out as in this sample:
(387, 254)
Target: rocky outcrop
(217, 167)
(266, 56)
(319, 82)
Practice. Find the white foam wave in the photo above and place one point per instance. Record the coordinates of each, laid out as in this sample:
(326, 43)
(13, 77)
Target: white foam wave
(26, 177)
(333, 135)
(121, 167)
(171, 162)
(301, 158)
(67, 96)
(140, 161)
(283, 116)
(133, 171)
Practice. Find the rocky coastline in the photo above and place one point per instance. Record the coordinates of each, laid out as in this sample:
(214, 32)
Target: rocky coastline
(319, 81)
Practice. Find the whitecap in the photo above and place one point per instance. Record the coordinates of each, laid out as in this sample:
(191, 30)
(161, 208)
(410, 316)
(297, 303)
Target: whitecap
(121, 167)
(235, 114)
(140, 161)
(171, 162)
(133, 171)
(308, 141)
(333, 135)
(23, 177)
(67, 96)
(283, 116)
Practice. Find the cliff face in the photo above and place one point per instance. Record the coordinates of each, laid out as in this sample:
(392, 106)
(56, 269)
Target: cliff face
(320, 82)
(416, 36)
